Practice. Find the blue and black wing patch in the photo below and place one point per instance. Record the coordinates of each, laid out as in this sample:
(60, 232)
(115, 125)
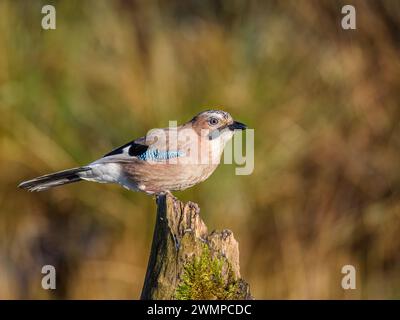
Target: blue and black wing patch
(158, 155)
(133, 149)
(143, 152)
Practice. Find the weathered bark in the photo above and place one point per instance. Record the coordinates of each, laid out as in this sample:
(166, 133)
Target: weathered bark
(180, 235)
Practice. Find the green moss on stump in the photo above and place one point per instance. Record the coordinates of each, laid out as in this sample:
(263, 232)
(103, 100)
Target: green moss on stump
(203, 279)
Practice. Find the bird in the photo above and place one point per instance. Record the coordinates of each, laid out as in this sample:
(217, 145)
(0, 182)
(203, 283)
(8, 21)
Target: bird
(162, 161)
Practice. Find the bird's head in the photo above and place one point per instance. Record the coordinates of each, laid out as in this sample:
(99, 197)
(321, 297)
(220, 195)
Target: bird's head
(216, 124)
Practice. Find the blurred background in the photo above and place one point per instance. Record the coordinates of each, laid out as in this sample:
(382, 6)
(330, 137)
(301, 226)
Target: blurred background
(323, 101)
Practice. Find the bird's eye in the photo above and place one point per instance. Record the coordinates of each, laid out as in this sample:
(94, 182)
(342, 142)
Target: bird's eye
(213, 121)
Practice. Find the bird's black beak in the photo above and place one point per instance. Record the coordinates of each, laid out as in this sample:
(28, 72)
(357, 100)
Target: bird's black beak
(237, 126)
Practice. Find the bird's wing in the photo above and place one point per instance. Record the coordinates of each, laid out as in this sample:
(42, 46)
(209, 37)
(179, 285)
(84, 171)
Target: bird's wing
(130, 149)
(157, 145)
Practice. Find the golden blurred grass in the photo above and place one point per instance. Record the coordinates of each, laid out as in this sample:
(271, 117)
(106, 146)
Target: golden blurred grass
(324, 104)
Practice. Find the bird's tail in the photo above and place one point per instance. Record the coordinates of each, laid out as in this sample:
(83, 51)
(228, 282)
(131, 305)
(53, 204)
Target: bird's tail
(53, 179)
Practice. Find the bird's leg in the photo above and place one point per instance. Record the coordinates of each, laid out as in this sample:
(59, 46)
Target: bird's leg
(191, 204)
(169, 194)
(166, 193)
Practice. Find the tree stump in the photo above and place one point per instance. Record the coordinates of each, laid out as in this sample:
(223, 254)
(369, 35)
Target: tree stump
(186, 262)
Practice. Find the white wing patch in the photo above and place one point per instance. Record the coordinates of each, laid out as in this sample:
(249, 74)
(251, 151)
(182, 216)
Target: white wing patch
(103, 173)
